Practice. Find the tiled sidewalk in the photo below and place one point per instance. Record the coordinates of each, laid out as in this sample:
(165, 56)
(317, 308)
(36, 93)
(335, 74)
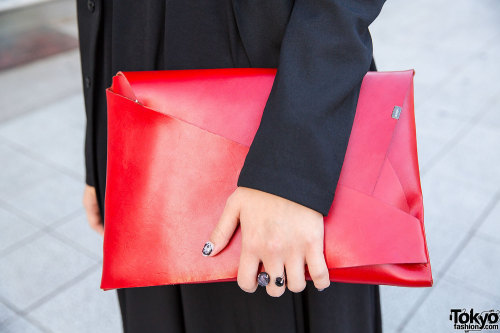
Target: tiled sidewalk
(454, 47)
(50, 259)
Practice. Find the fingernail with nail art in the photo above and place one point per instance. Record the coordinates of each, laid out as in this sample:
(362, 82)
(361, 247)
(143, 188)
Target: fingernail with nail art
(208, 248)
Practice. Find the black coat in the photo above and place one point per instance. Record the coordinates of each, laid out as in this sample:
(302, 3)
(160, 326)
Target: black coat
(322, 49)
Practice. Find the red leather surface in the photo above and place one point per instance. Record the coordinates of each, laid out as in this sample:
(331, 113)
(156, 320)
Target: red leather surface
(177, 140)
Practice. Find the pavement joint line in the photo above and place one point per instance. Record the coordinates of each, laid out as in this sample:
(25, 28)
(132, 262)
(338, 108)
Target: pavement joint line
(22, 313)
(12, 307)
(33, 220)
(453, 256)
(421, 298)
(22, 242)
(51, 229)
(38, 325)
(32, 321)
(18, 313)
(66, 285)
(60, 221)
(25, 313)
(21, 214)
(68, 241)
(454, 140)
(42, 159)
(42, 230)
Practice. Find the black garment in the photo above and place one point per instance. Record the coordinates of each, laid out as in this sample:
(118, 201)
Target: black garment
(322, 49)
(225, 308)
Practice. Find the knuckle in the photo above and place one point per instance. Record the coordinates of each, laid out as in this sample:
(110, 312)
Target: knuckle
(246, 287)
(273, 292)
(322, 285)
(313, 238)
(250, 247)
(274, 245)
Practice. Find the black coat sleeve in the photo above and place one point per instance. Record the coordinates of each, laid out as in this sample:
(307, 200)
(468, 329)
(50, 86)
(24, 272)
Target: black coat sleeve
(299, 148)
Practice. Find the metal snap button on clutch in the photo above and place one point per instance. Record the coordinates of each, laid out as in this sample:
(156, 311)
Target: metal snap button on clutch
(396, 112)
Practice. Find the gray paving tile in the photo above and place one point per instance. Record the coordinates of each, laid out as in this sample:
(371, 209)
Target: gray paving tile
(470, 90)
(400, 43)
(474, 158)
(69, 153)
(69, 110)
(64, 149)
(78, 230)
(50, 199)
(492, 118)
(388, 327)
(19, 325)
(45, 121)
(435, 130)
(491, 226)
(5, 314)
(62, 72)
(397, 302)
(433, 314)
(451, 200)
(28, 128)
(38, 269)
(442, 241)
(13, 229)
(20, 172)
(479, 266)
(451, 207)
(81, 308)
(54, 133)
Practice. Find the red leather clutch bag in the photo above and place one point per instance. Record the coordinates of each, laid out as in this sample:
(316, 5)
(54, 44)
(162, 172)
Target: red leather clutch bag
(177, 140)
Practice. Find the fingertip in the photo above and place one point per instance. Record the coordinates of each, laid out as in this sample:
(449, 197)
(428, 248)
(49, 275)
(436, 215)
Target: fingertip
(321, 289)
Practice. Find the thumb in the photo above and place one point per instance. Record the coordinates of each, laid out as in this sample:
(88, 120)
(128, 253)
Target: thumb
(224, 229)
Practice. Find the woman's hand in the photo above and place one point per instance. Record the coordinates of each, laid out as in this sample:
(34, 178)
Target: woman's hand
(92, 209)
(283, 234)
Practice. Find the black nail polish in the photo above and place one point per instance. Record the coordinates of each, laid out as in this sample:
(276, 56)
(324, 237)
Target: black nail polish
(321, 289)
(208, 248)
(279, 281)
